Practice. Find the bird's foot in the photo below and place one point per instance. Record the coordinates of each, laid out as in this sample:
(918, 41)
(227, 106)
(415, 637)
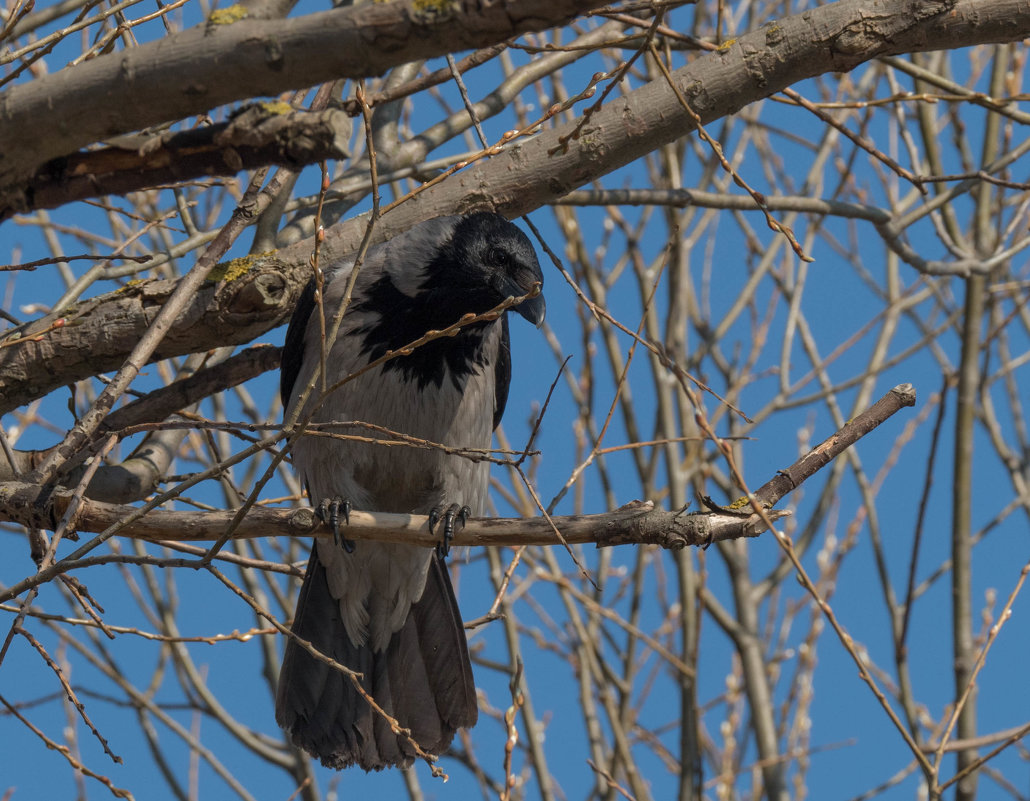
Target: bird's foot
(328, 512)
(448, 516)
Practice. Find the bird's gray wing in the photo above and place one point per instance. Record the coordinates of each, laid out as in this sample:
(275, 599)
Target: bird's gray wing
(502, 372)
(293, 347)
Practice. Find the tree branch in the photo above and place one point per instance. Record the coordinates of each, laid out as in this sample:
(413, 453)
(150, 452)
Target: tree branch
(205, 382)
(134, 477)
(262, 134)
(525, 174)
(637, 523)
(242, 300)
(836, 37)
(851, 432)
(194, 71)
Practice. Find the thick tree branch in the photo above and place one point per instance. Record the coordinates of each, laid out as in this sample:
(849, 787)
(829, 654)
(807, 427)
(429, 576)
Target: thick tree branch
(246, 298)
(830, 38)
(525, 175)
(262, 134)
(207, 66)
(836, 37)
(638, 523)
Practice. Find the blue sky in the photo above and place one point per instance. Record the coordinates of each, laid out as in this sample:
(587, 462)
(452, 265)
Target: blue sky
(858, 747)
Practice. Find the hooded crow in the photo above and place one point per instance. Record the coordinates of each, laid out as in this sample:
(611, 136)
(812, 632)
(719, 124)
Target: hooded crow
(387, 610)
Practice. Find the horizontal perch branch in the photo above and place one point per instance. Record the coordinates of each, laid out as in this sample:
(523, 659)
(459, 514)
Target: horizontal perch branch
(637, 523)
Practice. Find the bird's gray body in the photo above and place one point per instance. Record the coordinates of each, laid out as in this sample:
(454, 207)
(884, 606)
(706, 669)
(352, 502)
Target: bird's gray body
(377, 584)
(387, 610)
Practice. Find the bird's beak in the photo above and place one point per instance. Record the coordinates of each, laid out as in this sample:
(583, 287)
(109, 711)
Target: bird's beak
(516, 286)
(533, 309)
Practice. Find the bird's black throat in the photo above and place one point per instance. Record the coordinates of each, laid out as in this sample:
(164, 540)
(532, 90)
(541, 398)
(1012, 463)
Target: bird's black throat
(398, 320)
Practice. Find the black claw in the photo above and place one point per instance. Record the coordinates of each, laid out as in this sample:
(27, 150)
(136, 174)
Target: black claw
(434, 518)
(328, 512)
(452, 514)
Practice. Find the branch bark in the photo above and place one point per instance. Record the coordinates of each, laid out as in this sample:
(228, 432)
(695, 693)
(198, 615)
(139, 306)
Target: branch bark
(830, 38)
(262, 134)
(133, 478)
(246, 298)
(194, 71)
(528, 174)
(637, 523)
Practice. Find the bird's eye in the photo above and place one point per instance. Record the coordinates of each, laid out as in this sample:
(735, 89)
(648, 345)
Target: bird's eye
(499, 257)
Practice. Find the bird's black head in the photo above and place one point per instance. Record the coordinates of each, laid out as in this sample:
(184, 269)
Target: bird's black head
(486, 260)
(445, 268)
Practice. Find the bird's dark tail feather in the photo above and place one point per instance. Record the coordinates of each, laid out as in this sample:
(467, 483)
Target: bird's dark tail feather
(423, 679)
